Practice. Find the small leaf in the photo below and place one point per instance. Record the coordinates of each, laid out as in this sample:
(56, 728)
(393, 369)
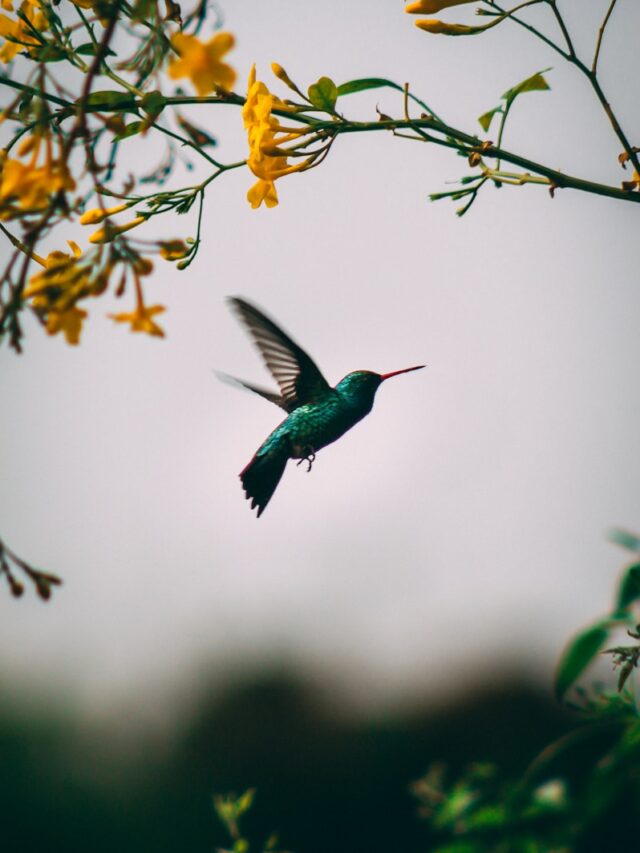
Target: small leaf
(629, 589)
(625, 539)
(89, 49)
(245, 802)
(111, 100)
(486, 118)
(535, 83)
(153, 103)
(364, 83)
(323, 94)
(578, 655)
(129, 130)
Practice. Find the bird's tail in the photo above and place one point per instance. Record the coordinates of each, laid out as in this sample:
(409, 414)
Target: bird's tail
(262, 474)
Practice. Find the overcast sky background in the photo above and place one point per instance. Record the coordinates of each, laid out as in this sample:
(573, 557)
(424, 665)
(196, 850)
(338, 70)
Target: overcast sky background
(459, 527)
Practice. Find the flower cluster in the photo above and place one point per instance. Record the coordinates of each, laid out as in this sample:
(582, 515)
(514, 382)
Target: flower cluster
(19, 32)
(28, 186)
(266, 135)
(55, 291)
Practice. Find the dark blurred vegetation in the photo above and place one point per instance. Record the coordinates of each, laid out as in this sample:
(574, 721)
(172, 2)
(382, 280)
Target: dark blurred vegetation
(326, 780)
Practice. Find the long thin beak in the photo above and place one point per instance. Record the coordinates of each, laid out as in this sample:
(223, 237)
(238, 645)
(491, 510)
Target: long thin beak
(384, 376)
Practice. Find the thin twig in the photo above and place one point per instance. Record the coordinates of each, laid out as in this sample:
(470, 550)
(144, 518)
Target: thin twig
(605, 21)
(561, 24)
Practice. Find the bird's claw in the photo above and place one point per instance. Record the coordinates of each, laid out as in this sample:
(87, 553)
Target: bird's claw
(310, 458)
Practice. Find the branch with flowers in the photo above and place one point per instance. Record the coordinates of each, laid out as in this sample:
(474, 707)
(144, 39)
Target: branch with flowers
(65, 137)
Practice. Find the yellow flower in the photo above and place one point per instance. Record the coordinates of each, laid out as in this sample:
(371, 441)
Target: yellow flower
(32, 185)
(262, 191)
(55, 291)
(19, 37)
(141, 319)
(265, 133)
(430, 7)
(68, 322)
(202, 62)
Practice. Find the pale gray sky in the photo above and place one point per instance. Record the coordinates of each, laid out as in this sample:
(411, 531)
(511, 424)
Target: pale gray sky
(461, 524)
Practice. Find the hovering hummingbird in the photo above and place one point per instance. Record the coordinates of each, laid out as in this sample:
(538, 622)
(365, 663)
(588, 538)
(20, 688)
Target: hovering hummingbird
(317, 413)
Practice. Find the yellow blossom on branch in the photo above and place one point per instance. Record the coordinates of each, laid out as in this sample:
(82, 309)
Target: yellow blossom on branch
(141, 319)
(68, 322)
(29, 184)
(54, 292)
(17, 33)
(265, 136)
(202, 62)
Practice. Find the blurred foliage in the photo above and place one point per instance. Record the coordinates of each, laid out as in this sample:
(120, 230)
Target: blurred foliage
(83, 78)
(586, 779)
(327, 780)
(580, 793)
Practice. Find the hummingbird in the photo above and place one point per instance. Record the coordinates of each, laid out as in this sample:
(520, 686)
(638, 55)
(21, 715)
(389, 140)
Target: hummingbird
(317, 414)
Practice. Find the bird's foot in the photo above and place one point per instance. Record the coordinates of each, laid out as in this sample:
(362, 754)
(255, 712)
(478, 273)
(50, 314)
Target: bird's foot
(310, 458)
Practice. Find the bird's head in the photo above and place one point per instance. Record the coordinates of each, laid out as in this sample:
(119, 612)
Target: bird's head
(361, 385)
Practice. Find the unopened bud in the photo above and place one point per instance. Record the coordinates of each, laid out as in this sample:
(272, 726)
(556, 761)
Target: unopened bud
(106, 235)
(92, 217)
(281, 74)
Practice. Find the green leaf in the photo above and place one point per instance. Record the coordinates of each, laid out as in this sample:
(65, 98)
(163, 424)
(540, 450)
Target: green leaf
(625, 539)
(535, 83)
(130, 130)
(90, 48)
(153, 103)
(629, 589)
(486, 118)
(578, 655)
(245, 802)
(323, 94)
(109, 100)
(364, 83)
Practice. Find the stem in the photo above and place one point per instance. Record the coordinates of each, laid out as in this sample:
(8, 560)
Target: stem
(596, 55)
(563, 27)
(589, 73)
(30, 90)
(467, 144)
(530, 28)
(184, 141)
(628, 148)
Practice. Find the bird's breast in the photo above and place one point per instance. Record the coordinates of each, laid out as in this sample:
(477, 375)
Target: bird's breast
(313, 426)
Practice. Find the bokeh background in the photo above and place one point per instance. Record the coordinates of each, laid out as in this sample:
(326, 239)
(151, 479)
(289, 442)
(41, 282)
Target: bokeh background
(406, 600)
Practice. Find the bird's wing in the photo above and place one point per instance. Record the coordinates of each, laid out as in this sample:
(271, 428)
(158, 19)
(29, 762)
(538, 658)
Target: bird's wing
(271, 396)
(297, 375)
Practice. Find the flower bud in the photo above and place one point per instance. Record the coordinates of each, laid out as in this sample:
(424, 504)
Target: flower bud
(106, 235)
(92, 217)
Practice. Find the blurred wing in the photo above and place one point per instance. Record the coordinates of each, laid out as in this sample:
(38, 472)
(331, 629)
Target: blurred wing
(297, 375)
(271, 396)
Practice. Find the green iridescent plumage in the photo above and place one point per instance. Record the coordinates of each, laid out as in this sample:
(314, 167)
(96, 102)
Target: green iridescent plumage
(318, 413)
